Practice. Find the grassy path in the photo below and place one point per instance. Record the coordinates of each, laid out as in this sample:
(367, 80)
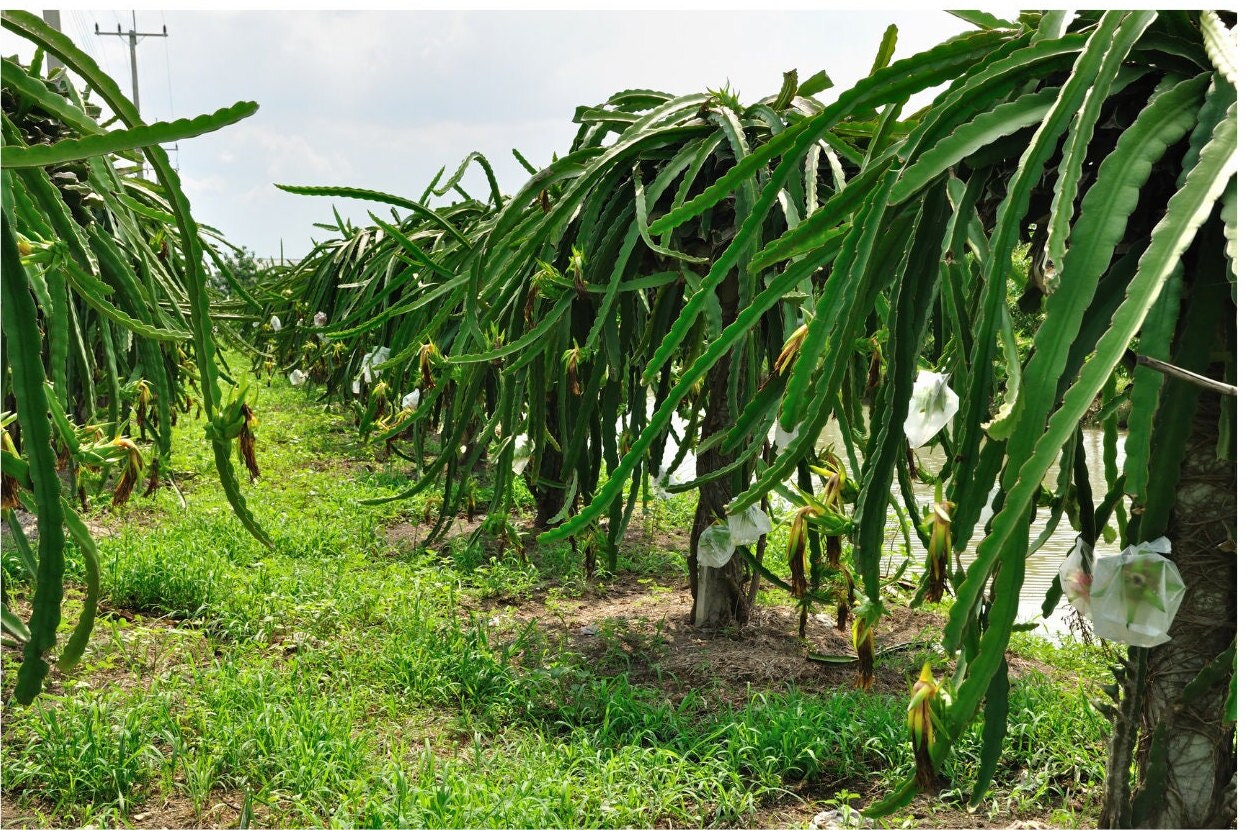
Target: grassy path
(350, 678)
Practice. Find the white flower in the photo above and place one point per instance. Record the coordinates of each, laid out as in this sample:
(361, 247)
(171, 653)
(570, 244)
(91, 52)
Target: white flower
(275, 323)
(297, 378)
(930, 409)
(320, 319)
(411, 400)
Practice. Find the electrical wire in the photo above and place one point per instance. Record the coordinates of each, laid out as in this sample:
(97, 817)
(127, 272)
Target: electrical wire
(168, 66)
(177, 156)
(86, 39)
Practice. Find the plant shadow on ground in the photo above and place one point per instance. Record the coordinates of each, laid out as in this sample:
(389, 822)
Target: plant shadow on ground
(350, 676)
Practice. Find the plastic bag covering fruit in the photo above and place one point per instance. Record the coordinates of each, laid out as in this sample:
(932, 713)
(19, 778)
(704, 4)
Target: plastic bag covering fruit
(931, 407)
(1135, 594)
(523, 452)
(297, 378)
(319, 319)
(783, 437)
(745, 528)
(714, 546)
(375, 357)
(658, 486)
(1075, 575)
(275, 323)
(411, 400)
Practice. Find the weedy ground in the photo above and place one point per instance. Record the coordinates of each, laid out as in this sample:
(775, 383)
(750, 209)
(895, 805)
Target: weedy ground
(352, 677)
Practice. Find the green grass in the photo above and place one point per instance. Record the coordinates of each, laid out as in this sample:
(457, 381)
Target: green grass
(337, 680)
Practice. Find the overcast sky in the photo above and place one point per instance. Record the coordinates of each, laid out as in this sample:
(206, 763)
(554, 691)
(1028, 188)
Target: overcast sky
(381, 100)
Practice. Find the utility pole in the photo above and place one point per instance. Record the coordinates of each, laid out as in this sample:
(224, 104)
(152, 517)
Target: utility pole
(53, 18)
(133, 37)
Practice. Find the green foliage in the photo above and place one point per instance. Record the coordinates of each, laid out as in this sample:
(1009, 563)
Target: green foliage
(696, 272)
(334, 678)
(236, 273)
(1038, 207)
(103, 283)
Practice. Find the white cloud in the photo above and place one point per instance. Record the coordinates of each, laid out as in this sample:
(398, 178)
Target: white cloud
(282, 154)
(383, 99)
(198, 186)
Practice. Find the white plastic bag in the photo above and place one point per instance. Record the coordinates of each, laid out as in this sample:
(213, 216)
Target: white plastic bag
(522, 455)
(1075, 576)
(375, 357)
(411, 400)
(714, 546)
(745, 528)
(783, 437)
(932, 405)
(297, 377)
(658, 486)
(1135, 594)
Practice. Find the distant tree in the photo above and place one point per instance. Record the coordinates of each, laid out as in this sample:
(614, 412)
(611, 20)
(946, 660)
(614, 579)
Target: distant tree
(238, 267)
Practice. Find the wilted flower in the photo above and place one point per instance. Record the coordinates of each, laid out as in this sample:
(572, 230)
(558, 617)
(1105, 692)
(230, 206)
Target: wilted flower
(130, 473)
(798, 547)
(864, 642)
(297, 378)
(246, 442)
(939, 524)
(10, 485)
(931, 407)
(922, 727)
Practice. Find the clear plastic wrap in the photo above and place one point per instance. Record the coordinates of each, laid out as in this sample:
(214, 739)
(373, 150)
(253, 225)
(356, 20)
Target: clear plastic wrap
(1135, 594)
(714, 546)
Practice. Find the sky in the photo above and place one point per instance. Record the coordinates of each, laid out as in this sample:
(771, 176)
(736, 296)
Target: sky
(383, 99)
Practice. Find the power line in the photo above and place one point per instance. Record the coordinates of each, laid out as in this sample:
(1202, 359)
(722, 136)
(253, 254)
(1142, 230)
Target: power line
(168, 67)
(169, 85)
(133, 36)
(83, 40)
